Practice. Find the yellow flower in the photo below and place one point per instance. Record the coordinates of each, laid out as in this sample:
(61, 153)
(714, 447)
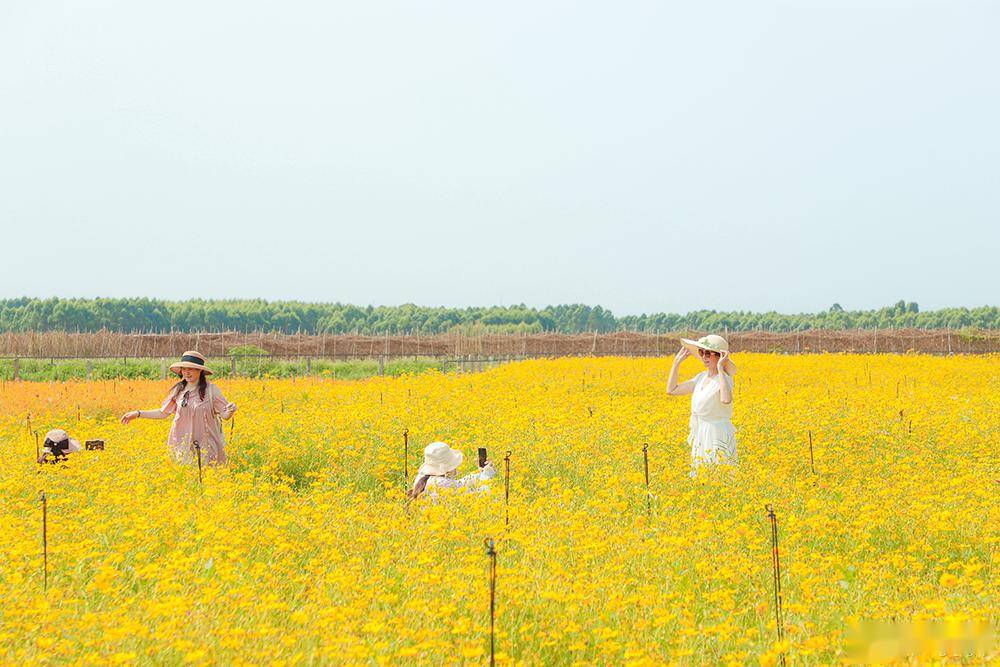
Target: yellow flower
(305, 548)
(948, 580)
(768, 659)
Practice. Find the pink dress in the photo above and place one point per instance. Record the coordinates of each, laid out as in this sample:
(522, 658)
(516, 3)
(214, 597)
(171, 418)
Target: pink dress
(197, 421)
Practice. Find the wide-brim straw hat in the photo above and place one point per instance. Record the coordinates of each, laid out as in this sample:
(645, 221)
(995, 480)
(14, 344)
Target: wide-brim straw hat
(58, 435)
(711, 342)
(191, 359)
(439, 458)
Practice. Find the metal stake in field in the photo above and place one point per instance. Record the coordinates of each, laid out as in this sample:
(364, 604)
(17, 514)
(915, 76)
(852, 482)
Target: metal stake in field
(776, 577)
(232, 426)
(406, 457)
(812, 465)
(197, 450)
(645, 462)
(506, 489)
(45, 540)
(492, 553)
(38, 452)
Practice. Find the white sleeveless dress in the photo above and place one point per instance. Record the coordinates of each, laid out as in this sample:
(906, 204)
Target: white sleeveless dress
(713, 436)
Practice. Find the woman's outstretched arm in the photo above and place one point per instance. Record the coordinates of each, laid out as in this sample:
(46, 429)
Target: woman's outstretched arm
(683, 388)
(145, 414)
(165, 412)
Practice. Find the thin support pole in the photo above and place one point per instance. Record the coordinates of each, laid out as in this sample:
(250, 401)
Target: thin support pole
(197, 449)
(45, 540)
(776, 577)
(812, 465)
(406, 458)
(492, 553)
(645, 462)
(506, 489)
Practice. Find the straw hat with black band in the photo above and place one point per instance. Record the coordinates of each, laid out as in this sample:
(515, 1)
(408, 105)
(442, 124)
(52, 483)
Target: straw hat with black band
(191, 359)
(58, 441)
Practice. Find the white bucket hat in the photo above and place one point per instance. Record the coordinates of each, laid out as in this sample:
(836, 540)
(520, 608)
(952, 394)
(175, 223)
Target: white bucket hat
(439, 458)
(711, 342)
(58, 435)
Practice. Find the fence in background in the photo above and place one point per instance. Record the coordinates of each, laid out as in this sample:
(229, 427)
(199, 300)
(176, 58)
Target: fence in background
(300, 354)
(109, 344)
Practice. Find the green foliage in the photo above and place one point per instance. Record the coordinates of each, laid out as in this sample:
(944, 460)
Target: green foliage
(152, 315)
(45, 370)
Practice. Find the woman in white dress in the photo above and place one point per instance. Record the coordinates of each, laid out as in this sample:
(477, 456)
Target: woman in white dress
(713, 436)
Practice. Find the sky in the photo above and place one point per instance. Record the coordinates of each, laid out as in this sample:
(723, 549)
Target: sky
(643, 156)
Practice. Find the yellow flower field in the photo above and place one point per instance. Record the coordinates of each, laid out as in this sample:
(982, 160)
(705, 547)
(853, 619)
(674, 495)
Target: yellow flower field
(304, 551)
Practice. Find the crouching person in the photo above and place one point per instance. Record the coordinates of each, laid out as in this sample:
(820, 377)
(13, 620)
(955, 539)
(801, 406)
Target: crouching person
(58, 446)
(440, 471)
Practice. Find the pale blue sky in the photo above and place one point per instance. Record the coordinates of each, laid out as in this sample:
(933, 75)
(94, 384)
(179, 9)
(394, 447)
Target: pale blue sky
(645, 156)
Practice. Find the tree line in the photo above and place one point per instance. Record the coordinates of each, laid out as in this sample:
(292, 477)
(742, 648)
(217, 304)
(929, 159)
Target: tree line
(158, 316)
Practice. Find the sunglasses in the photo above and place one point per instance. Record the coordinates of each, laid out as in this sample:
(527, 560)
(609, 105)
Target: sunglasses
(706, 353)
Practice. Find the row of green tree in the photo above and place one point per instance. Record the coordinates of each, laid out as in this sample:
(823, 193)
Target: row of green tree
(153, 315)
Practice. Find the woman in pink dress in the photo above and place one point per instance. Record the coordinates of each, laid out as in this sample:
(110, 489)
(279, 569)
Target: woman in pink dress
(196, 406)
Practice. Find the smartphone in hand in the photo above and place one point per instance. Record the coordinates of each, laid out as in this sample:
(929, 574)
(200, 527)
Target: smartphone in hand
(482, 457)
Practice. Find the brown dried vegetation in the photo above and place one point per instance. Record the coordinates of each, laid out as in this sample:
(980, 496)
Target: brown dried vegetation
(107, 344)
